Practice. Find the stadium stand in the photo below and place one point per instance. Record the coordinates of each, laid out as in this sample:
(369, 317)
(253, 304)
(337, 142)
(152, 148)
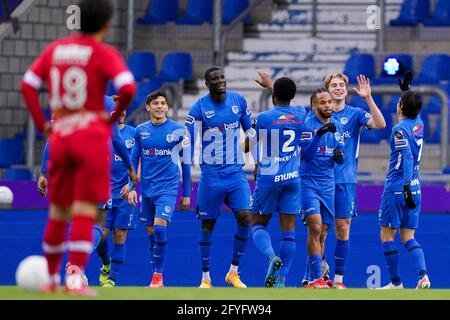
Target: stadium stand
(394, 66)
(360, 64)
(17, 174)
(412, 12)
(435, 68)
(160, 12)
(197, 12)
(11, 152)
(441, 15)
(176, 66)
(142, 65)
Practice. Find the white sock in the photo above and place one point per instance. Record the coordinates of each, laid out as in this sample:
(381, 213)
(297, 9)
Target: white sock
(206, 276)
(338, 278)
(233, 268)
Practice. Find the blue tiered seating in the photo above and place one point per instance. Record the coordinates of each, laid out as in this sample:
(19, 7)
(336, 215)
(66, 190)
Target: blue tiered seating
(160, 12)
(412, 12)
(441, 14)
(197, 12)
(360, 64)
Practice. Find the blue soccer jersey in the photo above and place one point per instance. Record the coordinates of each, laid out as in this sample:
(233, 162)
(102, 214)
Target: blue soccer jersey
(406, 144)
(351, 119)
(119, 170)
(158, 147)
(220, 128)
(317, 164)
(278, 132)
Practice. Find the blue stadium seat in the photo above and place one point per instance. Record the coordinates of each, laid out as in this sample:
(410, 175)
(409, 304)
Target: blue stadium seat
(176, 66)
(160, 12)
(371, 136)
(142, 65)
(433, 106)
(360, 64)
(197, 12)
(233, 8)
(392, 106)
(11, 152)
(393, 67)
(435, 68)
(441, 14)
(412, 12)
(18, 174)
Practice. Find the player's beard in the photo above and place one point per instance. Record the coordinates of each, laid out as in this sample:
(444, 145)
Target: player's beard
(324, 115)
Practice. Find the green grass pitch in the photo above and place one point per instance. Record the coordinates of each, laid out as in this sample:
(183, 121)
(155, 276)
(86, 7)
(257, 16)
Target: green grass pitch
(183, 293)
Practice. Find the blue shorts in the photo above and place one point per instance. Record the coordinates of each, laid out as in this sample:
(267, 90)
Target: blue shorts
(105, 205)
(282, 199)
(214, 189)
(345, 201)
(121, 215)
(161, 206)
(394, 212)
(318, 202)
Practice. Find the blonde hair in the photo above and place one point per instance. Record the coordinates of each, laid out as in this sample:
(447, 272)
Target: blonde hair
(332, 76)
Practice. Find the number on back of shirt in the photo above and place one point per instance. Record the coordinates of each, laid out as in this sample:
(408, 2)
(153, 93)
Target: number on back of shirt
(286, 146)
(74, 84)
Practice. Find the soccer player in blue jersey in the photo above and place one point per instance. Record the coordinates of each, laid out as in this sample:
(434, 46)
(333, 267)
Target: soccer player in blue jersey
(120, 215)
(278, 133)
(218, 117)
(322, 146)
(352, 120)
(400, 202)
(159, 143)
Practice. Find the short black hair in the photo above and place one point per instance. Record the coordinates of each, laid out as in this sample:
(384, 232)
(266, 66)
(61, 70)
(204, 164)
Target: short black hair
(154, 95)
(410, 103)
(315, 94)
(210, 70)
(95, 14)
(284, 89)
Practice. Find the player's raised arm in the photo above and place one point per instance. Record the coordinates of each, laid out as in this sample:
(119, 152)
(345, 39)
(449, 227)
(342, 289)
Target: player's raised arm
(364, 91)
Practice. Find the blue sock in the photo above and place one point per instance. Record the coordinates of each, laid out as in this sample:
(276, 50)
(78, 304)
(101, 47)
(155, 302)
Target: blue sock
(316, 265)
(159, 253)
(392, 259)
(151, 239)
(117, 258)
(307, 273)
(103, 252)
(239, 244)
(262, 240)
(416, 253)
(97, 233)
(205, 249)
(340, 256)
(287, 251)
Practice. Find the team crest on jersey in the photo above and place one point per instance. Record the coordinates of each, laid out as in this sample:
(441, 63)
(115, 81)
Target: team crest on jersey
(145, 135)
(248, 110)
(337, 136)
(344, 121)
(209, 114)
(170, 138)
(129, 143)
(306, 136)
(235, 109)
(167, 209)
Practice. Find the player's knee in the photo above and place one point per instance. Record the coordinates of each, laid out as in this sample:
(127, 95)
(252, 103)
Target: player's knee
(342, 231)
(120, 236)
(315, 230)
(243, 218)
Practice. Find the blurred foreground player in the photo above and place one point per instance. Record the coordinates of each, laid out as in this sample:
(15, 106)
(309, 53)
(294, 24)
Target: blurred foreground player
(400, 202)
(79, 166)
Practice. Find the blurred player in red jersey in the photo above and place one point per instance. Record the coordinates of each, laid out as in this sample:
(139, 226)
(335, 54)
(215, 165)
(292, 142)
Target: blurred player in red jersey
(77, 69)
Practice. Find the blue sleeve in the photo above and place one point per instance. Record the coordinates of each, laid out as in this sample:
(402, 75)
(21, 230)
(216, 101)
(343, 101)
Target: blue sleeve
(246, 121)
(193, 116)
(136, 151)
(363, 117)
(341, 142)
(45, 156)
(119, 146)
(186, 176)
(185, 160)
(309, 150)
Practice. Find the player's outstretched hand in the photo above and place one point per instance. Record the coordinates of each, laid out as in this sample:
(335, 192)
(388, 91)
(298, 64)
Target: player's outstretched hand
(265, 80)
(42, 185)
(405, 84)
(185, 203)
(329, 127)
(338, 155)
(363, 90)
(407, 194)
(133, 198)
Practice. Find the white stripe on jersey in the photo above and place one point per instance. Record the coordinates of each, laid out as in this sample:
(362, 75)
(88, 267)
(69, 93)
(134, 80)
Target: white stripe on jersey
(32, 79)
(123, 79)
(399, 161)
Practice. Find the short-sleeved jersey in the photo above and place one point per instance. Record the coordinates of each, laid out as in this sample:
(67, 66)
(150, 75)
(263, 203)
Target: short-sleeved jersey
(279, 130)
(220, 129)
(158, 148)
(77, 69)
(406, 143)
(119, 170)
(351, 119)
(318, 173)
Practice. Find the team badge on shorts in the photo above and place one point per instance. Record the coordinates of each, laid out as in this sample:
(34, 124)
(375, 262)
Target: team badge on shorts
(167, 209)
(344, 121)
(235, 109)
(170, 138)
